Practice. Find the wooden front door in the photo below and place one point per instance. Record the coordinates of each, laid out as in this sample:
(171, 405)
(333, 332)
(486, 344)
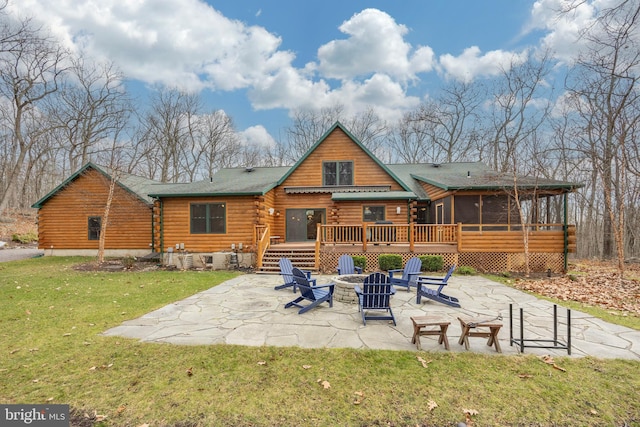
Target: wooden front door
(302, 224)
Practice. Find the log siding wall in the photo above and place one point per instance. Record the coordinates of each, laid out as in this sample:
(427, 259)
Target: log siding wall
(336, 147)
(242, 214)
(63, 219)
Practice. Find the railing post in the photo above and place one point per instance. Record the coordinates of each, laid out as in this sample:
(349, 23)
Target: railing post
(364, 236)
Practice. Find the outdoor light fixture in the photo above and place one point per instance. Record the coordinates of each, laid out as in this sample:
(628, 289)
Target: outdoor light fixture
(398, 210)
(271, 211)
(233, 246)
(240, 246)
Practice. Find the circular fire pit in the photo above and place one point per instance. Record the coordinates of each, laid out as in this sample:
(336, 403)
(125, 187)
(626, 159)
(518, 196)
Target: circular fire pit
(343, 290)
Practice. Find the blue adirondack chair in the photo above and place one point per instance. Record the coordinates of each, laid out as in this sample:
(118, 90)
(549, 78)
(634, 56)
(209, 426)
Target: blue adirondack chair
(346, 266)
(309, 291)
(410, 271)
(286, 271)
(375, 294)
(436, 294)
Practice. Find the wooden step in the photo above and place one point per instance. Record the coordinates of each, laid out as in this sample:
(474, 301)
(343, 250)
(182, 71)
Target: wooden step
(302, 258)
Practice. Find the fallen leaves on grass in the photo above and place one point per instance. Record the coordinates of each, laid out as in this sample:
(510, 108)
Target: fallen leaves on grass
(98, 418)
(431, 405)
(359, 397)
(324, 383)
(425, 363)
(596, 285)
(549, 361)
(262, 363)
(306, 366)
(468, 413)
(190, 372)
(94, 368)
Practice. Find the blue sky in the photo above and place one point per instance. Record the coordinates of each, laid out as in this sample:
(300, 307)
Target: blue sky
(260, 60)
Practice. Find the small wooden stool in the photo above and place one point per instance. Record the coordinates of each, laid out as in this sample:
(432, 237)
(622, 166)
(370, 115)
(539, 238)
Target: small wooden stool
(492, 334)
(420, 322)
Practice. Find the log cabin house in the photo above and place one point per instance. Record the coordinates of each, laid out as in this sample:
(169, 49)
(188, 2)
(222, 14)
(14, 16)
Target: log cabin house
(338, 198)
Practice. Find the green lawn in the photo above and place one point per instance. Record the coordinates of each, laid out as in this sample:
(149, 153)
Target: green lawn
(51, 317)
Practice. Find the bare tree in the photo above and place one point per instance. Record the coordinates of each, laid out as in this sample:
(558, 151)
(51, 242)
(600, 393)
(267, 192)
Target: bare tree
(91, 105)
(216, 144)
(309, 126)
(451, 119)
(410, 139)
(605, 94)
(166, 130)
(31, 68)
(517, 116)
(517, 111)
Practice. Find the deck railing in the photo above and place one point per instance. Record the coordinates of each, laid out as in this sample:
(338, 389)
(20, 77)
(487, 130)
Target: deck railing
(367, 233)
(262, 238)
(465, 236)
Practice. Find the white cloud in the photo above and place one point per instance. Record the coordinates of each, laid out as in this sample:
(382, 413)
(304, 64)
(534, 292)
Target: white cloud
(288, 88)
(472, 63)
(562, 30)
(380, 92)
(192, 46)
(256, 136)
(185, 44)
(375, 45)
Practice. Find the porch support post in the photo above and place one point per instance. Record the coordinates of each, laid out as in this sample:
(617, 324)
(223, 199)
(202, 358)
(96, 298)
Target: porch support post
(411, 237)
(459, 237)
(364, 237)
(319, 237)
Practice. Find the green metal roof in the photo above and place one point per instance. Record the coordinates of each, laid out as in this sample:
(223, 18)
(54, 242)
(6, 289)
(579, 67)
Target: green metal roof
(134, 184)
(226, 182)
(243, 181)
(472, 176)
(377, 195)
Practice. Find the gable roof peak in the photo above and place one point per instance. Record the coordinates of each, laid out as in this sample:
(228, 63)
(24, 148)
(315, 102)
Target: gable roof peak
(338, 125)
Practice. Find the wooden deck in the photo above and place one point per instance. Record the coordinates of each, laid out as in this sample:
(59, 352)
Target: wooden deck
(484, 248)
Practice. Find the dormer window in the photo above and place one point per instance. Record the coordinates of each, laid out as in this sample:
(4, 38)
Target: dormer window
(337, 173)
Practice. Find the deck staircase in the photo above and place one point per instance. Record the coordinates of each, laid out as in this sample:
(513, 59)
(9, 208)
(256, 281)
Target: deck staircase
(301, 257)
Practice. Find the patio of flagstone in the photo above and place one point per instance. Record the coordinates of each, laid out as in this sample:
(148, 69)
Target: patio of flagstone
(248, 311)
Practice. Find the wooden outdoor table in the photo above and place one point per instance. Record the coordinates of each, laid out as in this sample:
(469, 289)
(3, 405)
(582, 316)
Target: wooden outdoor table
(469, 329)
(421, 322)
